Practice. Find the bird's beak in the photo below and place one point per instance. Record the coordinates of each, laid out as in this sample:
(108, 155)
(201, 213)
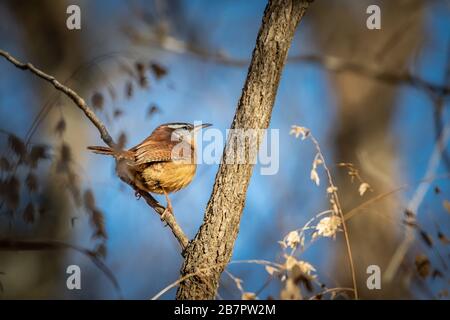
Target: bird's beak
(201, 126)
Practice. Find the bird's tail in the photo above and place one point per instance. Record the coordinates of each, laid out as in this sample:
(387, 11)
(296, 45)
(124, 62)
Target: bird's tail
(101, 150)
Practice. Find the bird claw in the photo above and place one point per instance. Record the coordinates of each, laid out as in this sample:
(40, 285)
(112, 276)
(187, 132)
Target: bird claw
(166, 211)
(137, 195)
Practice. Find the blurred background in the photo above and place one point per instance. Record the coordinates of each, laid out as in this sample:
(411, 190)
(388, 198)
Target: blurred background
(375, 98)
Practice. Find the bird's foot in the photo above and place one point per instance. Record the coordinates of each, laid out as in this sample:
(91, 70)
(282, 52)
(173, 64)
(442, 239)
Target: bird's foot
(167, 210)
(137, 195)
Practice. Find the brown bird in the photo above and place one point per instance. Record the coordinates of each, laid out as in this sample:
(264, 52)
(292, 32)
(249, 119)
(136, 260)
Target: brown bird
(163, 163)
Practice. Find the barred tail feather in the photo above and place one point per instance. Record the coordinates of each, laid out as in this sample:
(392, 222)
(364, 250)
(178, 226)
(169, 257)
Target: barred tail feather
(101, 150)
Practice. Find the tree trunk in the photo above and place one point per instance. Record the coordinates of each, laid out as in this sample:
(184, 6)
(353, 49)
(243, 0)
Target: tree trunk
(208, 254)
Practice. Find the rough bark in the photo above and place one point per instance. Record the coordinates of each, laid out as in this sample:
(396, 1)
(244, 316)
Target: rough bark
(207, 255)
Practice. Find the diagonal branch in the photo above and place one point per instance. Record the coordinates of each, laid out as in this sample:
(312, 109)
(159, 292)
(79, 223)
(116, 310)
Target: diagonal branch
(105, 136)
(169, 219)
(329, 62)
(414, 204)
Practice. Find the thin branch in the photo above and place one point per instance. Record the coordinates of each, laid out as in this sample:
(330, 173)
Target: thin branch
(439, 104)
(33, 245)
(104, 134)
(167, 218)
(414, 205)
(331, 63)
(335, 197)
(351, 213)
(106, 137)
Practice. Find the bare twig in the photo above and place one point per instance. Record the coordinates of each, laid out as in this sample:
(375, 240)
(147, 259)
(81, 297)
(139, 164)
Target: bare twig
(104, 134)
(337, 203)
(439, 104)
(414, 204)
(168, 218)
(331, 63)
(106, 137)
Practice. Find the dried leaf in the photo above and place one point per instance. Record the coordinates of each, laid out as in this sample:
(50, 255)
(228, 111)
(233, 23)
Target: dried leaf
(89, 200)
(437, 274)
(292, 239)
(65, 158)
(143, 80)
(60, 127)
(363, 187)
(129, 89)
(271, 270)
(117, 113)
(328, 226)
(42, 210)
(314, 176)
(442, 237)
(4, 164)
(238, 283)
(295, 266)
(28, 213)
(38, 152)
(97, 100)
(72, 221)
(317, 161)
(302, 278)
(122, 140)
(98, 221)
(248, 296)
(152, 110)
(300, 131)
(31, 182)
(74, 187)
(332, 189)
(11, 192)
(426, 238)
(100, 250)
(140, 68)
(423, 265)
(291, 291)
(17, 145)
(410, 214)
(158, 70)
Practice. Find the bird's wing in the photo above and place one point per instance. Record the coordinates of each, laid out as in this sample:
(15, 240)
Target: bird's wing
(152, 151)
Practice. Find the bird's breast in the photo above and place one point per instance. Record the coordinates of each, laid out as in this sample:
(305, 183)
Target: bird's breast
(169, 176)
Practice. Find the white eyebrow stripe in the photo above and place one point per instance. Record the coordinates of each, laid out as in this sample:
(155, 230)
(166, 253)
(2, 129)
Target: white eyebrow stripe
(176, 126)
